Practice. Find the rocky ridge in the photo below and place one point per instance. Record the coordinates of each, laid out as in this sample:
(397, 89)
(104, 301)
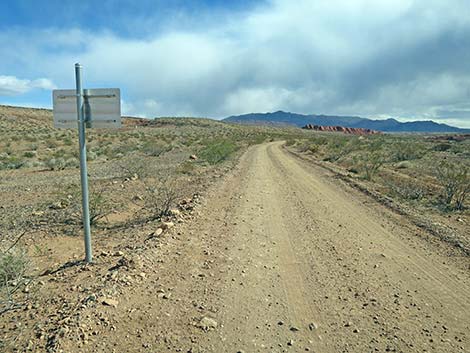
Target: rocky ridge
(346, 130)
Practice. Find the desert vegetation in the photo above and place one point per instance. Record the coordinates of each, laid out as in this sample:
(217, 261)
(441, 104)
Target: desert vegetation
(148, 176)
(14, 265)
(138, 175)
(427, 171)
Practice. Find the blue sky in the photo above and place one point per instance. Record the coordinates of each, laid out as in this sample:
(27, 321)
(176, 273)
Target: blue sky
(408, 59)
(122, 17)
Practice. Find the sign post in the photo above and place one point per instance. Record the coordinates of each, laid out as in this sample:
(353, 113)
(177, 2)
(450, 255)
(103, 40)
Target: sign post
(94, 108)
(83, 165)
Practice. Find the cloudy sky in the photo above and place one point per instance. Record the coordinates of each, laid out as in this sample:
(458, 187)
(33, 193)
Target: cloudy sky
(408, 59)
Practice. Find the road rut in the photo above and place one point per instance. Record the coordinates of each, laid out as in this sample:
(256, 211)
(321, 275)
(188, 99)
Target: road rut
(284, 257)
(314, 267)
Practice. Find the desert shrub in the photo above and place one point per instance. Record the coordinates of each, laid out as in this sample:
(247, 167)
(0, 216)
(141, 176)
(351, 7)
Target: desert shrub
(369, 163)
(217, 151)
(59, 153)
(351, 145)
(441, 147)
(304, 146)
(100, 206)
(29, 154)
(321, 140)
(31, 138)
(408, 190)
(186, 167)
(290, 142)
(13, 162)
(13, 266)
(69, 206)
(454, 178)
(407, 151)
(132, 167)
(91, 155)
(159, 198)
(313, 148)
(56, 164)
(257, 139)
(461, 148)
(72, 162)
(118, 151)
(377, 142)
(156, 149)
(336, 148)
(51, 143)
(162, 198)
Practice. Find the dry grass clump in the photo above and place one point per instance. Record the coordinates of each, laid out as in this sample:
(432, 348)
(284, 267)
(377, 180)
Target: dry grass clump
(14, 264)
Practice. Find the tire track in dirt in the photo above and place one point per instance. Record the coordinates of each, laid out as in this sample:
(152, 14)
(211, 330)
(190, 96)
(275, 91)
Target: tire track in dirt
(292, 169)
(360, 276)
(273, 294)
(287, 259)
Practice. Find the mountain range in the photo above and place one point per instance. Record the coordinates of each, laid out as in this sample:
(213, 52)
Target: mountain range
(300, 120)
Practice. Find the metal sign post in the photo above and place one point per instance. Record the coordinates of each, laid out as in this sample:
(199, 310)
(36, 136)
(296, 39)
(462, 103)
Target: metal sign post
(83, 166)
(94, 108)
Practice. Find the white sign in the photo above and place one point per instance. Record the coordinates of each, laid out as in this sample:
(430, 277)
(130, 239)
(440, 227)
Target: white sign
(102, 108)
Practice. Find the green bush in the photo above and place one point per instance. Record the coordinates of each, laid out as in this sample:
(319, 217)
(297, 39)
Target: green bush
(91, 155)
(217, 151)
(369, 163)
(441, 147)
(407, 151)
(336, 148)
(13, 162)
(60, 153)
(304, 146)
(313, 149)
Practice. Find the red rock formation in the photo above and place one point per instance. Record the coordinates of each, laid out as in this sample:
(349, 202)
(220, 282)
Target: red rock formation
(346, 130)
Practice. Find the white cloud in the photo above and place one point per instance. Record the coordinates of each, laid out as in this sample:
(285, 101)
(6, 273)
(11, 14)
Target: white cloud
(362, 57)
(12, 86)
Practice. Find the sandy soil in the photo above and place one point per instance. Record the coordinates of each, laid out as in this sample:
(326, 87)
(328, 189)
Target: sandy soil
(283, 257)
(308, 253)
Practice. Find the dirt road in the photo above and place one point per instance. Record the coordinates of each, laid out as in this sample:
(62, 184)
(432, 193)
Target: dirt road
(283, 257)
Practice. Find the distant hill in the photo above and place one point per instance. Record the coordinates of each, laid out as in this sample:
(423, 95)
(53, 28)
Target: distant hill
(42, 117)
(388, 125)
